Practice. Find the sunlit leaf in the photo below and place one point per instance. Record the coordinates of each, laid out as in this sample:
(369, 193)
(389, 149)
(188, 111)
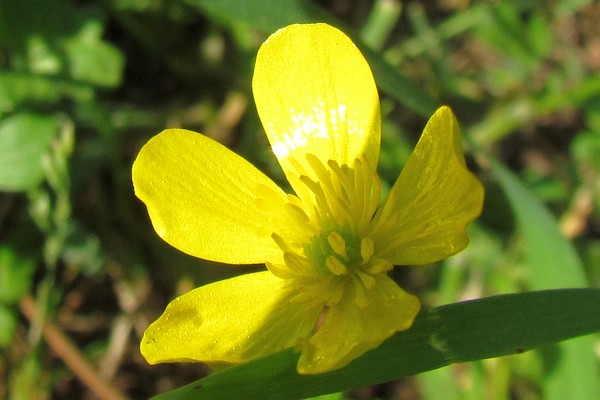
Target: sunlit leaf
(24, 138)
(15, 275)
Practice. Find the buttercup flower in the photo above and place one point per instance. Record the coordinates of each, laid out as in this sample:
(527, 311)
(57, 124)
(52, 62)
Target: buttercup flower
(327, 247)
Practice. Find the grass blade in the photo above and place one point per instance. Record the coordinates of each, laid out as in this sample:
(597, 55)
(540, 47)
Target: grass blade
(553, 263)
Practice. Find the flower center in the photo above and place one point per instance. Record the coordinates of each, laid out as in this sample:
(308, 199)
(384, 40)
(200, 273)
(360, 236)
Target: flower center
(330, 216)
(335, 251)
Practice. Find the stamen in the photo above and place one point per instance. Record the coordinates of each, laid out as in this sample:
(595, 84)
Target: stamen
(308, 209)
(323, 176)
(359, 291)
(367, 248)
(297, 166)
(335, 266)
(297, 213)
(379, 265)
(267, 198)
(342, 186)
(303, 194)
(371, 194)
(359, 190)
(295, 201)
(337, 243)
(318, 167)
(334, 192)
(343, 174)
(366, 279)
(280, 271)
(301, 265)
(280, 243)
(322, 209)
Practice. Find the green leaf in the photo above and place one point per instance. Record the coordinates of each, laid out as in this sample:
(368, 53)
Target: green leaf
(553, 263)
(267, 16)
(585, 149)
(16, 273)
(82, 251)
(8, 322)
(17, 88)
(60, 39)
(91, 60)
(262, 15)
(472, 330)
(28, 379)
(24, 138)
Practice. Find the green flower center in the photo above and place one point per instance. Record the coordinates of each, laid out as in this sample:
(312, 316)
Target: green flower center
(335, 251)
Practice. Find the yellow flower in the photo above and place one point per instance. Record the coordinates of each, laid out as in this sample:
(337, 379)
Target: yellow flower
(329, 246)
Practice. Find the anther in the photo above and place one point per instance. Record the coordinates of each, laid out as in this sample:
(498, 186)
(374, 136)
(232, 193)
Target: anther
(335, 266)
(366, 279)
(337, 243)
(367, 248)
(379, 265)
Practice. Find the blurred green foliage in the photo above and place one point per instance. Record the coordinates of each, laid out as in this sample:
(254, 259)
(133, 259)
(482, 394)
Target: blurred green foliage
(83, 84)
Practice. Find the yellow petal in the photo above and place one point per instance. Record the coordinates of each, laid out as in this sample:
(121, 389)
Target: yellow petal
(203, 198)
(426, 214)
(315, 94)
(229, 322)
(350, 330)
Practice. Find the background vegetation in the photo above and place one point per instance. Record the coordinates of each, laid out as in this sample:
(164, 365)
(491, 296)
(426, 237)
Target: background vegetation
(84, 84)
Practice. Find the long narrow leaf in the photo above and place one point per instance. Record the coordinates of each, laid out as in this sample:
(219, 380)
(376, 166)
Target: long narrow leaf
(484, 328)
(553, 263)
